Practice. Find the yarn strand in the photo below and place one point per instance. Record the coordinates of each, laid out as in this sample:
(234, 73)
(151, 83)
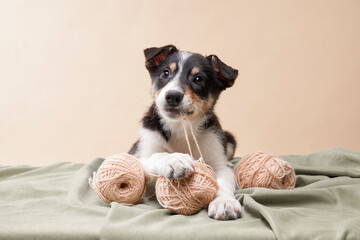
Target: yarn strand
(187, 139)
(188, 142)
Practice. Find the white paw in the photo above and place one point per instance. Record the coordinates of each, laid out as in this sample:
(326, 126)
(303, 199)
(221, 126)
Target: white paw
(224, 208)
(176, 165)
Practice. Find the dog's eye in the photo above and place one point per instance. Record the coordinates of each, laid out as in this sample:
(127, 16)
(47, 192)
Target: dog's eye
(199, 80)
(165, 74)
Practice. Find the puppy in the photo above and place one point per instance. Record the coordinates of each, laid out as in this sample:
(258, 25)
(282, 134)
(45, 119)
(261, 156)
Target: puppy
(187, 85)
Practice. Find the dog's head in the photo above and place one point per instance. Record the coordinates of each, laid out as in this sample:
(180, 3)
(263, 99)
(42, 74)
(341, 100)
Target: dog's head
(186, 84)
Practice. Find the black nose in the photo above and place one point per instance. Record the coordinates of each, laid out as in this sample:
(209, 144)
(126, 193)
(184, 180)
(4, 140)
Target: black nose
(173, 98)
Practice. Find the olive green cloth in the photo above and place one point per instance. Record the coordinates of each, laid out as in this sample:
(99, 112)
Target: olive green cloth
(56, 202)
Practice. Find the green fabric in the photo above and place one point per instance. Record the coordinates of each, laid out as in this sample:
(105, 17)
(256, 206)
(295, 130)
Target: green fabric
(55, 202)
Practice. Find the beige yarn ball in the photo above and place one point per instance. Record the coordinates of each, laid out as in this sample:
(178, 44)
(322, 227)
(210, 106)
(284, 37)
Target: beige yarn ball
(120, 178)
(261, 169)
(188, 196)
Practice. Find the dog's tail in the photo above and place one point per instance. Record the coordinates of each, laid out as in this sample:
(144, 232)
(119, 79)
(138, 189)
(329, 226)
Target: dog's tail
(230, 145)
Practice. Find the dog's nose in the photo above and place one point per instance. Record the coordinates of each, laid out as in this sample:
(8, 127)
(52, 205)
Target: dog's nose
(173, 98)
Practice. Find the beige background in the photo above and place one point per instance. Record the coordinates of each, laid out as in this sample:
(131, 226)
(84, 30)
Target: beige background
(74, 86)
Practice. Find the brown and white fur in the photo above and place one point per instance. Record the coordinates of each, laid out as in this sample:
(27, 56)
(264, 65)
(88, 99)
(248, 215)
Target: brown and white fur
(187, 85)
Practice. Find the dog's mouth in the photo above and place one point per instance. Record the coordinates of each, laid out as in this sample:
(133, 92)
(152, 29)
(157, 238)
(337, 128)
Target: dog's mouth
(176, 112)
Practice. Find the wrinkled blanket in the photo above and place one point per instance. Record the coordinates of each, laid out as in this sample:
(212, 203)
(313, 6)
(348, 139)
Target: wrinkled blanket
(56, 202)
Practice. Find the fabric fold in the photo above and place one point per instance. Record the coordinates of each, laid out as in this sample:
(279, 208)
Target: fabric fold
(56, 202)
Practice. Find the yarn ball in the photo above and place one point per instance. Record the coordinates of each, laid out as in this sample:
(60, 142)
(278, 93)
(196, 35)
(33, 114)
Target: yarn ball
(120, 178)
(261, 169)
(189, 195)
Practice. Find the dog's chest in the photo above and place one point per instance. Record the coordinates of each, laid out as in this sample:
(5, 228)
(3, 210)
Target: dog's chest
(208, 141)
(178, 143)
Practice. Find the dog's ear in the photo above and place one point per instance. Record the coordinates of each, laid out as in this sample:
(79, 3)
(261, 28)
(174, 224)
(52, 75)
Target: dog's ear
(226, 73)
(154, 55)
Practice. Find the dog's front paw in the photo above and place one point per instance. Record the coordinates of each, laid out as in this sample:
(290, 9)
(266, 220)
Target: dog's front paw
(224, 208)
(177, 165)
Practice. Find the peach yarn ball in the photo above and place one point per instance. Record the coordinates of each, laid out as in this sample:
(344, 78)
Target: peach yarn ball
(120, 178)
(261, 169)
(188, 196)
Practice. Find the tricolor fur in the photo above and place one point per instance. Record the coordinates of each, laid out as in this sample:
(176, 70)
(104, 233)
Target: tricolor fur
(187, 85)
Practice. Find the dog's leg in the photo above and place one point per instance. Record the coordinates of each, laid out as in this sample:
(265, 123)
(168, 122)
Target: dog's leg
(169, 165)
(224, 206)
(156, 161)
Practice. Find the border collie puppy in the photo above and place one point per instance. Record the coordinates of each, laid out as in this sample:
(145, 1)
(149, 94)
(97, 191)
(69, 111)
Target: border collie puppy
(187, 85)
